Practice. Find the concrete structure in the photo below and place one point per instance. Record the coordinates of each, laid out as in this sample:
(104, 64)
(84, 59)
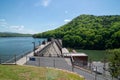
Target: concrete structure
(80, 59)
(42, 59)
(24, 59)
(64, 51)
(53, 49)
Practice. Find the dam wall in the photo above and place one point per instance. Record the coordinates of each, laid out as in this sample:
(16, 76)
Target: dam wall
(53, 49)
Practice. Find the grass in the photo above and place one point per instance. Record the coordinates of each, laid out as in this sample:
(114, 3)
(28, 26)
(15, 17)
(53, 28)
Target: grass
(15, 72)
(95, 55)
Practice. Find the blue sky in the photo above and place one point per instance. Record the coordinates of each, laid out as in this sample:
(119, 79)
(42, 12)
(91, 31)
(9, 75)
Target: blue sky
(33, 16)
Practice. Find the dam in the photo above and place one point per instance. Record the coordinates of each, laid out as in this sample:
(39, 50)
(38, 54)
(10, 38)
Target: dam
(53, 54)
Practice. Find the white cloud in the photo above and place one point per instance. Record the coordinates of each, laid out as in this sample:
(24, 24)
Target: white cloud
(67, 20)
(50, 25)
(3, 23)
(27, 31)
(14, 28)
(66, 12)
(17, 27)
(44, 3)
(2, 20)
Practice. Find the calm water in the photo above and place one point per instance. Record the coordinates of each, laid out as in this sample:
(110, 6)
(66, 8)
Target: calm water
(95, 55)
(17, 45)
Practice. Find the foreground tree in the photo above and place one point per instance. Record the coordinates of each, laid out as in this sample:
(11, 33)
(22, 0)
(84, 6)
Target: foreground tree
(114, 62)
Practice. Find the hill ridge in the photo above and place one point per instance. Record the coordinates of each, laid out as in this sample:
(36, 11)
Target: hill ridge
(11, 34)
(88, 32)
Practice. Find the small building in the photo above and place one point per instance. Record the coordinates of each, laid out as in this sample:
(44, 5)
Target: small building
(80, 59)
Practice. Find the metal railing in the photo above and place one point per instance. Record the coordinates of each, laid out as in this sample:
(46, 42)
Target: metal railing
(59, 45)
(45, 49)
(55, 62)
(11, 59)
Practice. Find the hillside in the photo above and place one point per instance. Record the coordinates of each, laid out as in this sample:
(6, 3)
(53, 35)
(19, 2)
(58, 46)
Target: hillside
(88, 32)
(9, 34)
(15, 72)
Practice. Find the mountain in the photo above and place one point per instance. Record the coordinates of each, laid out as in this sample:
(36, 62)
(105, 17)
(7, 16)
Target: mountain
(10, 34)
(88, 32)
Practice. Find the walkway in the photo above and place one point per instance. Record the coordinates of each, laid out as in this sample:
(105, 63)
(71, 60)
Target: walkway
(23, 60)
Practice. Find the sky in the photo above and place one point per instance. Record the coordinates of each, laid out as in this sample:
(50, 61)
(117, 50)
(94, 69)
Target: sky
(36, 16)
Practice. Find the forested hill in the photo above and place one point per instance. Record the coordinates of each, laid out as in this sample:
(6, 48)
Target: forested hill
(9, 34)
(88, 32)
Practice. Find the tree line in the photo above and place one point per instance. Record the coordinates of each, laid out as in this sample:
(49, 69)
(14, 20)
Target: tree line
(8, 34)
(88, 32)
(114, 62)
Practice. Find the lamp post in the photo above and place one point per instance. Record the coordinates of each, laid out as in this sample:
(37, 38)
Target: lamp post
(34, 47)
(39, 43)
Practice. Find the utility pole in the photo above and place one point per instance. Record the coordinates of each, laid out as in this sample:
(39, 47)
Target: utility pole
(0, 60)
(96, 73)
(15, 58)
(72, 60)
(72, 66)
(54, 62)
(34, 47)
(90, 63)
(39, 61)
(104, 68)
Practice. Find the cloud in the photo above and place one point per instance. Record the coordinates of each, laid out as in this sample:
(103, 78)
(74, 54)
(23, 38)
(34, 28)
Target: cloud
(43, 3)
(3, 23)
(2, 20)
(21, 29)
(27, 31)
(17, 27)
(66, 12)
(67, 20)
(14, 28)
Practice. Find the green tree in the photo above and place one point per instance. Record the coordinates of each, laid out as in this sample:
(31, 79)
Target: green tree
(88, 32)
(114, 62)
(116, 39)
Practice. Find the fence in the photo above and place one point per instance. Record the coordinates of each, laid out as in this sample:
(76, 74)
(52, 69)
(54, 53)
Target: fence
(62, 63)
(5, 58)
(65, 63)
(11, 59)
(50, 62)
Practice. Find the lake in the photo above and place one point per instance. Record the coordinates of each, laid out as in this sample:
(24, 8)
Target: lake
(94, 55)
(10, 46)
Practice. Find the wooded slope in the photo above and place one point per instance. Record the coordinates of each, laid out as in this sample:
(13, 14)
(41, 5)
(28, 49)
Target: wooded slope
(88, 32)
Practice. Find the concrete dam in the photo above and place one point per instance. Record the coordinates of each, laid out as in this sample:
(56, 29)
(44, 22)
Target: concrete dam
(52, 49)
